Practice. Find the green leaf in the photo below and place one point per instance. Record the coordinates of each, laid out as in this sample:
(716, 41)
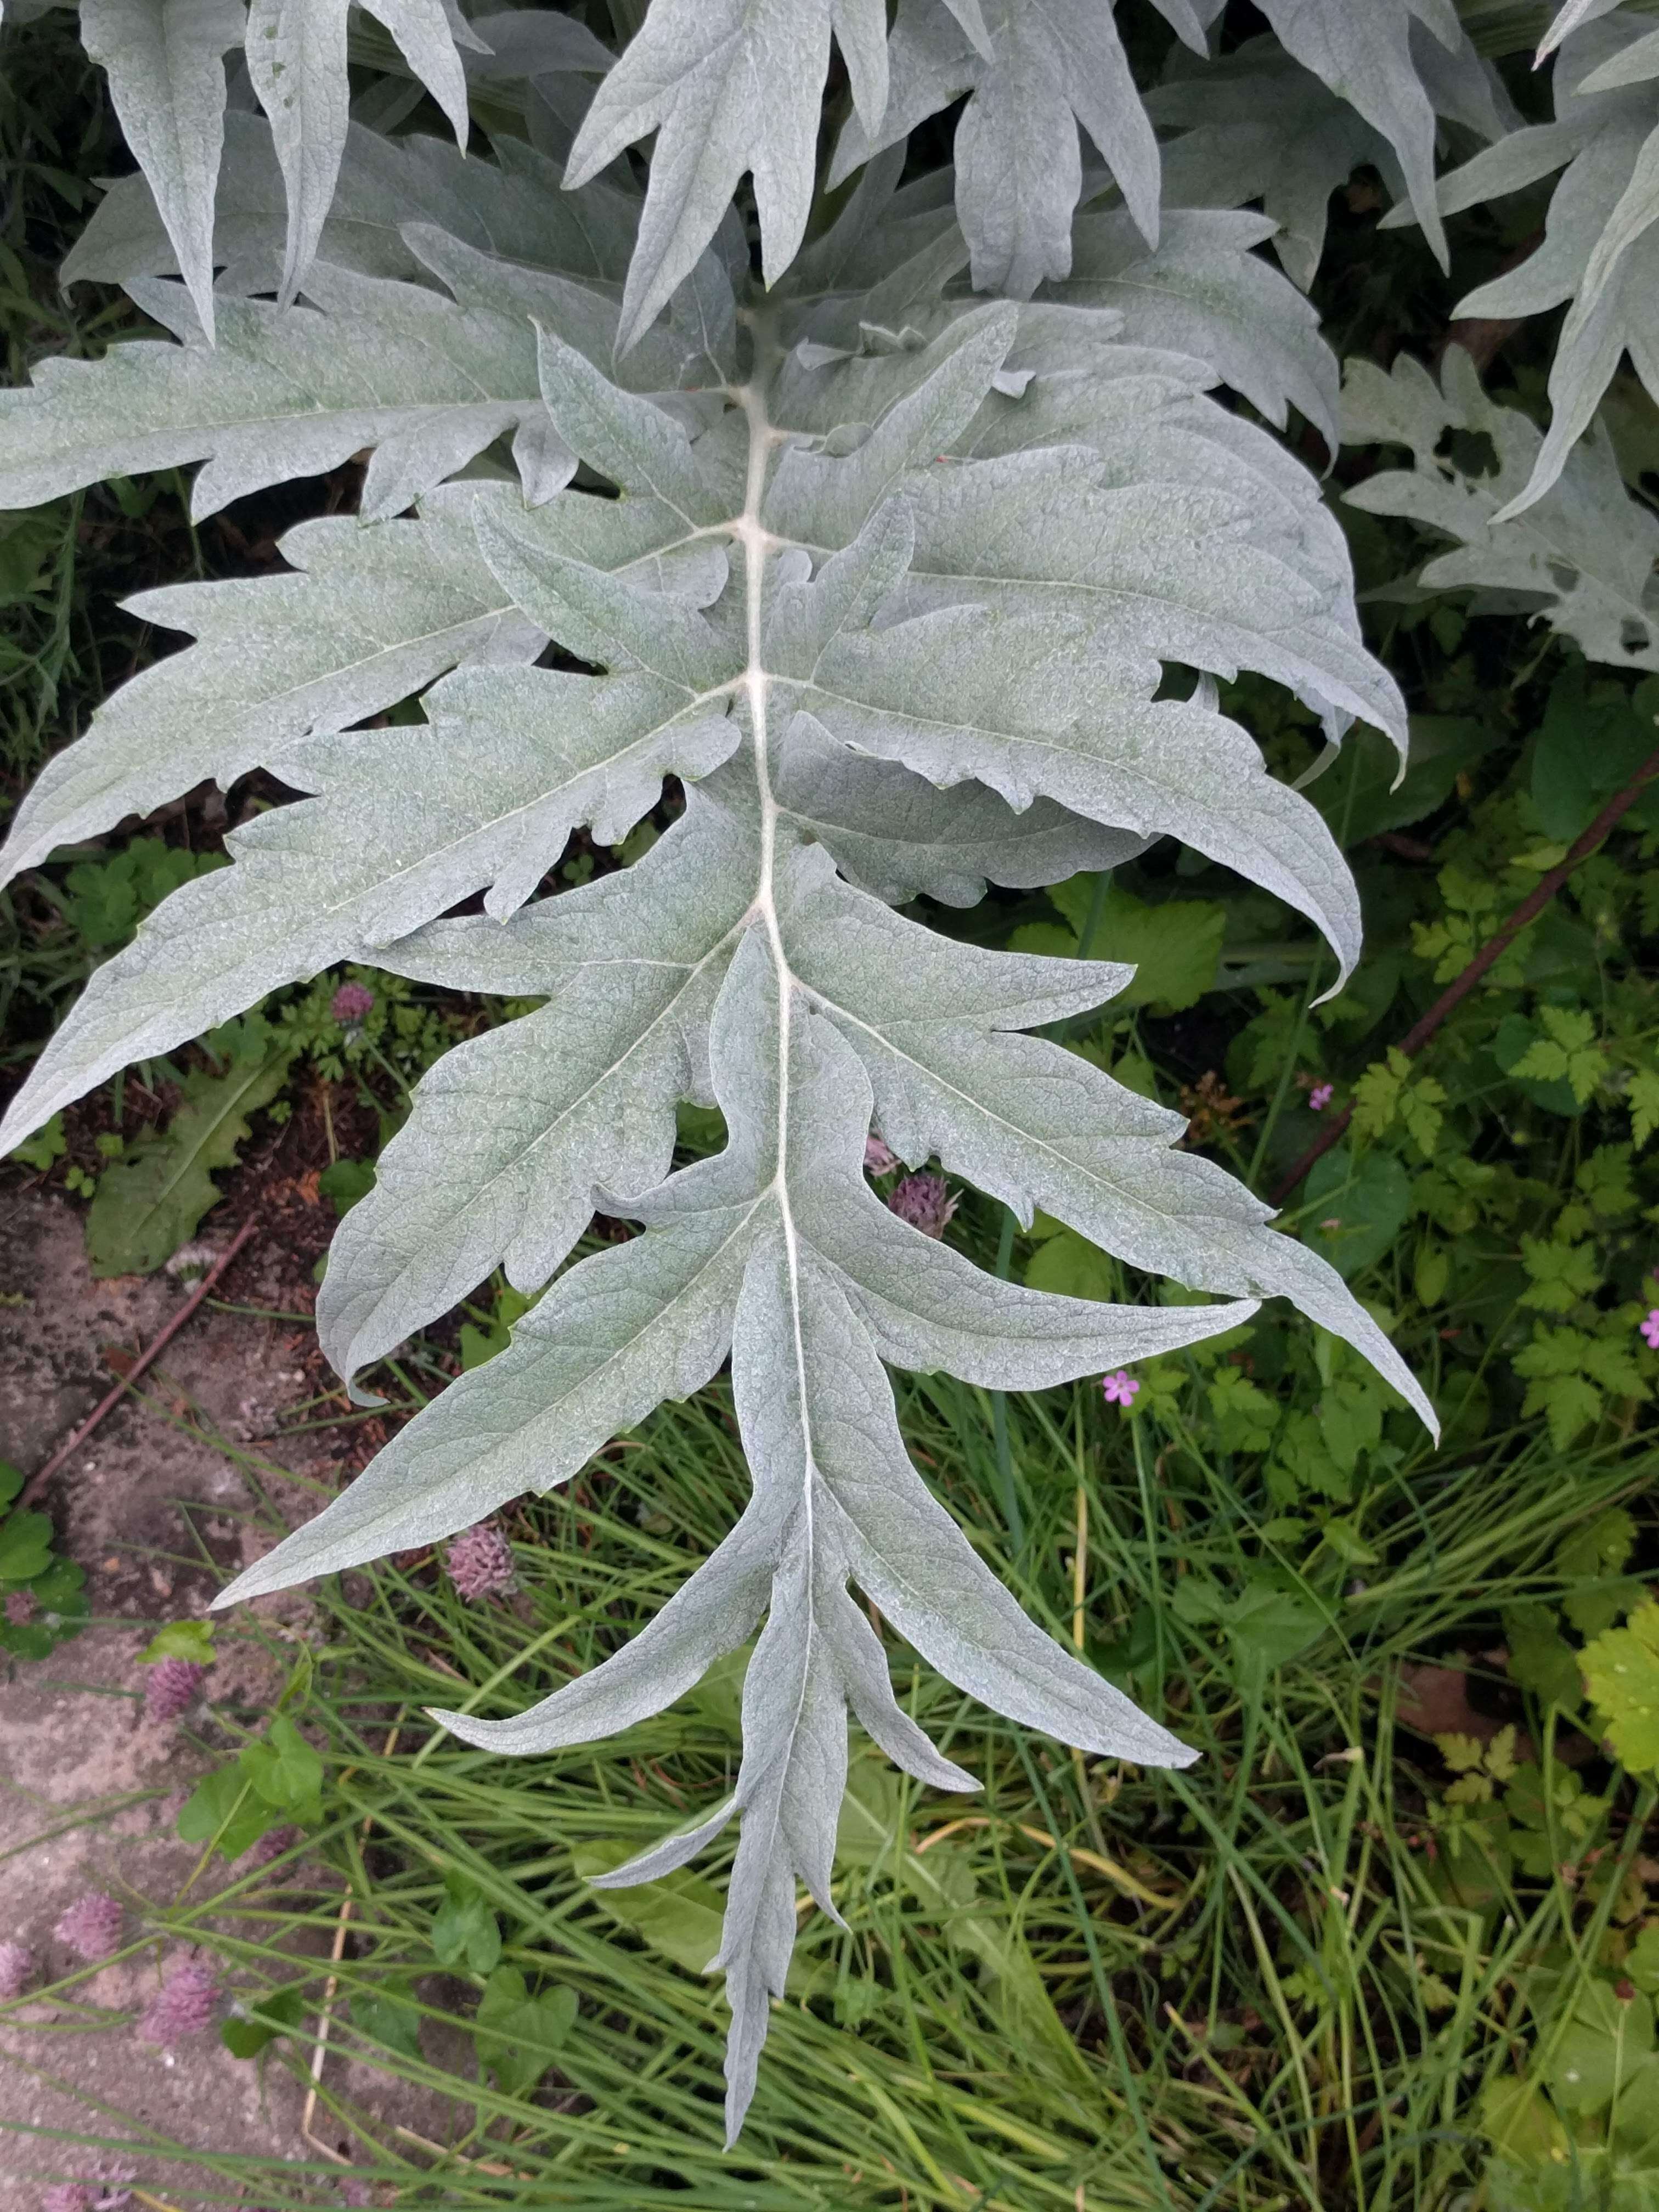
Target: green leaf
(1606, 2037)
(25, 1546)
(276, 2013)
(384, 2017)
(106, 900)
(180, 1639)
(1072, 1268)
(518, 2036)
(1562, 1274)
(1269, 1622)
(1541, 1658)
(680, 1916)
(283, 1770)
(342, 1182)
(1621, 1673)
(47, 1145)
(224, 1808)
(1642, 1097)
(12, 1479)
(1353, 1211)
(464, 1928)
(1568, 1052)
(148, 1204)
(1175, 947)
(1595, 1557)
(1269, 1626)
(1594, 738)
(1515, 1041)
(1388, 1091)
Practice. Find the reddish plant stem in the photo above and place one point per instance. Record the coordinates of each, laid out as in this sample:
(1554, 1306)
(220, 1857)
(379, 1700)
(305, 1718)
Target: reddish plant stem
(1495, 946)
(37, 1481)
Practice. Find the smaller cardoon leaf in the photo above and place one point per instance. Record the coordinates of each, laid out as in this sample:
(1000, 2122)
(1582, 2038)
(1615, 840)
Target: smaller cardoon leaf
(727, 86)
(636, 443)
(604, 619)
(365, 618)
(1585, 551)
(1364, 54)
(708, 1616)
(511, 1132)
(165, 60)
(826, 499)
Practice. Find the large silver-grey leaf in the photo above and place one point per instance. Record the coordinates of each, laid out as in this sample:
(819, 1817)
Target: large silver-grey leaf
(1364, 54)
(297, 59)
(1036, 1124)
(284, 392)
(821, 1290)
(1204, 292)
(511, 205)
(1041, 68)
(1600, 248)
(1256, 125)
(797, 1106)
(1583, 552)
(1031, 707)
(408, 821)
(165, 60)
(510, 1134)
(367, 619)
(727, 86)
(812, 495)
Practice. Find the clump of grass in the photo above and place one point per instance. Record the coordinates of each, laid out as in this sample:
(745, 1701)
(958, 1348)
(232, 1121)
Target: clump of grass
(1249, 1986)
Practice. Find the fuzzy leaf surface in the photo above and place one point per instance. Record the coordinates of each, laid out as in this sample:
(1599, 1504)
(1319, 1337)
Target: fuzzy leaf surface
(890, 581)
(1600, 248)
(164, 61)
(1584, 551)
(728, 86)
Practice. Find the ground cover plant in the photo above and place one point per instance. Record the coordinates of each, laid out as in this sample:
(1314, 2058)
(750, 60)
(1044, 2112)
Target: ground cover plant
(788, 607)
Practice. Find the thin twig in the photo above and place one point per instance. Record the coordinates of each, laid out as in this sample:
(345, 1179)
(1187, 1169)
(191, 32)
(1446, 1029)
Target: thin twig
(37, 1481)
(1495, 946)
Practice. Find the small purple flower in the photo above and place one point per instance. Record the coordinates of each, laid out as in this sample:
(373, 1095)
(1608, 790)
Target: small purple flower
(1320, 1097)
(355, 2192)
(110, 2189)
(68, 2197)
(174, 1684)
(270, 1846)
(1650, 1328)
(20, 1608)
(16, 1965)
(92, 1926)
(352, 1002)
(923, 1201)
(480, 1563)
(1118, 1389)
(183, 2005)
(879, 1159)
